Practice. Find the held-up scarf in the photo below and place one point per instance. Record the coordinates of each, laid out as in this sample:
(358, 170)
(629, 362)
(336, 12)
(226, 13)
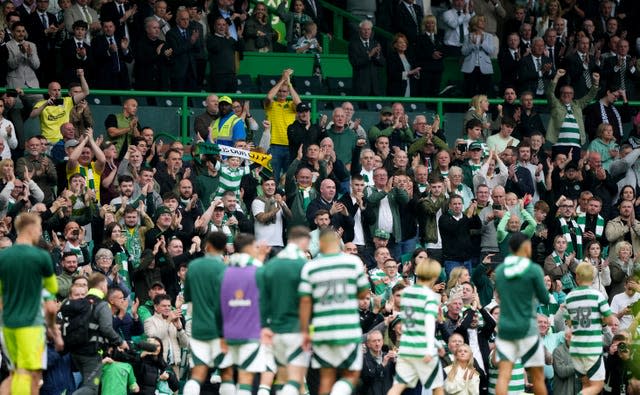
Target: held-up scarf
(567, 236)
(582, 221)
(567, 278)
(605, 118)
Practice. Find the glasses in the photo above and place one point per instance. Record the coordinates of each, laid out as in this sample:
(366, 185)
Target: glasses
(103, 258)
(566, 206)
(390, 267)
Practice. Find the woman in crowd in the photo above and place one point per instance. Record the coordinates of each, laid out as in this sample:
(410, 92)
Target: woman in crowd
(605, 144)
(477, 50)
(131, 163)
(6, 172)
(259, 36)
(479, 109)
(401, 73)
(488, 175)
(430, 57)
(621, 267)
(561, 266)
(294, 19)
(601, 271)
(108, 188)
(457, 277)
(104, 264)
(462, 377)
(545, 21)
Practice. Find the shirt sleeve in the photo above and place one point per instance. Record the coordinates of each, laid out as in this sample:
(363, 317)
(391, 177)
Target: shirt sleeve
(304, 288)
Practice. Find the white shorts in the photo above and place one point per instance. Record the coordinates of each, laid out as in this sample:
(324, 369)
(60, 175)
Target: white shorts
(205, 352)
(592, 367)
(250, 357)
(410, 370)
(287, 350)
(529, 350)
(347, 357)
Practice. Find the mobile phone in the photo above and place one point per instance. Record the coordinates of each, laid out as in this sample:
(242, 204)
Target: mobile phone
(58, 102)
(496, 206)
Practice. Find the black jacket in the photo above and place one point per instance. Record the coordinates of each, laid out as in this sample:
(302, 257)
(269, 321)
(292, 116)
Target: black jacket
(376, 379)
(456, 238)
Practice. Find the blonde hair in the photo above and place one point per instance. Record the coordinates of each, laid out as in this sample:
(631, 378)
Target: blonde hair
(473, 22)
(454, 276)
(428, 269)
(26, 219)
(584, 273)
(476, 100)
(428, 18)
(456, 364)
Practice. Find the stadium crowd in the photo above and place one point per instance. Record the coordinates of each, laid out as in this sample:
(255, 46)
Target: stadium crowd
(399, 256)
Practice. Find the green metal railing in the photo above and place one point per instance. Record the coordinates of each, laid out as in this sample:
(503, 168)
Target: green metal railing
(185, 112)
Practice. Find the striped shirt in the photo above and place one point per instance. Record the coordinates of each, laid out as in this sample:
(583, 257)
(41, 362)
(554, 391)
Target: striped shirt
(230, 178)
(419, 311)
(586, 307)
(516, 384)
(569, 130)
(333, 282)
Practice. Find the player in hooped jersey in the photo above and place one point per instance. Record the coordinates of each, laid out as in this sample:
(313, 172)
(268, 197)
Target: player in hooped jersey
(329, 291)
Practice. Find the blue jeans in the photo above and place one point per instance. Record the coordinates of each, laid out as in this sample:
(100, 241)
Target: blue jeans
(450, 265)
(279, 161)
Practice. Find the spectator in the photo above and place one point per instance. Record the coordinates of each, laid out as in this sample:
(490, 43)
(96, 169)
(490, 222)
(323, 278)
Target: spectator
(429, 57)
(509, 60)
(151, 58)
(624, 227)
(478, 48)
(270, 212)
(77, 53)
(111, 54)
(580, 66)
(395, 129)
(604, 111)
(456, 29)
(535, 70)
(378, 366)
(210, 114)
(259, 34)
(367, 60)
(529, 122)
(40, 168)
(294, 19)
(223, 48)
(401, 75)
(55, 111)
(462, 377)
(456, 249)
(308, 42)
(281, 112)
(123, 127)
(566, 126)
(619, 71)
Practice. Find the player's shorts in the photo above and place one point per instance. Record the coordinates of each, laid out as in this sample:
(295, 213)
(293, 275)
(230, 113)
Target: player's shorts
(592, 367)
(287, 350)
(410, 370)
(25, 347)
(529, 350)
(205, 352)
(347, 356)
(250, 357)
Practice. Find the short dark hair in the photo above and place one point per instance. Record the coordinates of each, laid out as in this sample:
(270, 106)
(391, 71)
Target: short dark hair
(473, 123)
(125, 178)
(217, 240)
(508, 122)
(298, 232)
(17, 23)
(242, 240)
(322, 212)
(159, 298)
(170, 195)
(68, 254)
(170, 151)
(96, 278)
(80, 24)
(517, 240)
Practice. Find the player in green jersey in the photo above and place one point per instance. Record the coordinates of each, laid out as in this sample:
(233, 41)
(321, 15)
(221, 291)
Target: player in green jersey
(418, 354)
(586, 311)
(520, 284)
(281, 278)
(202, 289)
(329, 290)
(24, 269)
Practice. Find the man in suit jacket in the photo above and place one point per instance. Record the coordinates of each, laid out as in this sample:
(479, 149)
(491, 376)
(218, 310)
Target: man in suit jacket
(222, 49)
(621, 71)
(552, 48)
(365, 56)
(111, 53)
(77, 54)
(407, 20)
(183, 41)
(509, 61)
(42, 28)
(535, 70)
(81, 11)
(121, 13)
(580, 65)
(151, 56)
(25, 9)
(23, 60)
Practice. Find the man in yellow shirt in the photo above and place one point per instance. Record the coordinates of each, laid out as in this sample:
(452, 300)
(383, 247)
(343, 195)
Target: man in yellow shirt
(55, 111)
(281, 112)
(81, 161)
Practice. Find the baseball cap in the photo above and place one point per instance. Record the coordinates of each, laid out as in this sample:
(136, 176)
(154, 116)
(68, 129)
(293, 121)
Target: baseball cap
(71, 143)
(302, 107)
(157, 284)
(225, 99)
(386, 110)
(381, 234)
(475, 145)
(162, 210)
(571, 166)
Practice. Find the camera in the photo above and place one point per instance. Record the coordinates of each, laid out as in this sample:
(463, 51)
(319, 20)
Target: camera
(134, 351)
(462, 147)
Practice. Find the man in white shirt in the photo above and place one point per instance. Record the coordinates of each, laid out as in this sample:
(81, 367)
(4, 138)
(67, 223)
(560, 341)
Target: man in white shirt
(456, 26)
(622, 302)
